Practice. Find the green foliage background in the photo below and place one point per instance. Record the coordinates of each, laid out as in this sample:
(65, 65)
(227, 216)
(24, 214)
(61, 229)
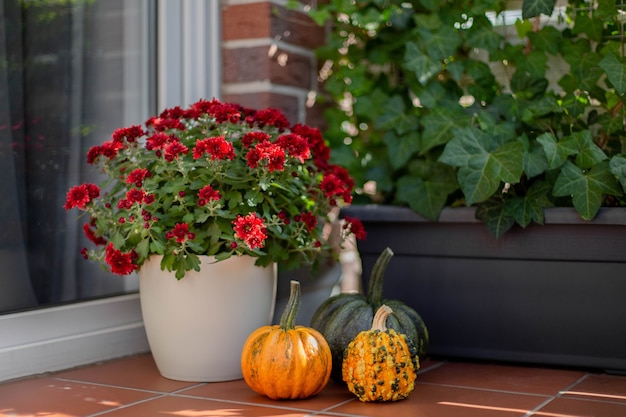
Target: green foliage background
(440, 103)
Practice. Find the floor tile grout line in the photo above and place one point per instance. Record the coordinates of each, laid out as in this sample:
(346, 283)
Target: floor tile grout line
(559, 394)
(180, 394)
(430, 368)
(121, 407)
(249, 403)
(531, 394)
(100, 384)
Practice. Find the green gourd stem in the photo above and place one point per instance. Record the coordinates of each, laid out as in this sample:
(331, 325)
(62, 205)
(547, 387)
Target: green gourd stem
(377, 278)
(288, 319)
(380, 318)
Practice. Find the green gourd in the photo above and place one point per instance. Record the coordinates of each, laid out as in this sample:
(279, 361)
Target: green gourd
(342, 317)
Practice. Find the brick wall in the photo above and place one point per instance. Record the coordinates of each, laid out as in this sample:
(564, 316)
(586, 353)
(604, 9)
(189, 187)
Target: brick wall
(268, 58)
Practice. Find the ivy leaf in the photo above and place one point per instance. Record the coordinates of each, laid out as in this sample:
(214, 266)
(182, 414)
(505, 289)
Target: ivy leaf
(556, 151)
(428, 195)
(529, 207)
(547, 39)
(482, 34)
(438, 127)
(615, 71)
(440, 44)
(586, 187)
(592, 27)
(535, 161)
(617, 165)
(481, 170)
(395, 117)
(534, 63)
(494, 214)
(401, 147)
(589, 154)
(420, 64)
(532, 8)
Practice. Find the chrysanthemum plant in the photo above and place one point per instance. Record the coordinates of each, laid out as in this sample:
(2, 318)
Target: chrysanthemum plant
(214, 179)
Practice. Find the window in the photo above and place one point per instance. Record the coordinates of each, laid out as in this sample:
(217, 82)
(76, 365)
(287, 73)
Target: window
(73, 71)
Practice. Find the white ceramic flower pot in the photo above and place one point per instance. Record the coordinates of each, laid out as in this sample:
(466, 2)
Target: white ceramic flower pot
(197, 326)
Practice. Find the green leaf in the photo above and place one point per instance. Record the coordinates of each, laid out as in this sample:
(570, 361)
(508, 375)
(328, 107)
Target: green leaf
(401, 147)
(118, 240)
(586, 187)
(494, 214)
(535, 63)
(556, 151)
(547, 39)
(466, 142)
(615, 71)
(532, 8)
(529, 207)
(395, 117)
(439, 125)
(253, 197)
(589, 154)
(142, 248)
(535, 161)
(482, 170)
(441, 43)
(592, 27)
(427, 195)
(157, 246)
(617, 165)
(420, 64)
(483, 35)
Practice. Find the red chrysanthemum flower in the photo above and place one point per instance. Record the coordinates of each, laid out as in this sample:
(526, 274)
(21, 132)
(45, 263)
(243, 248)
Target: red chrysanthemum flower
(270, 117)
(225, 112)
(295, 145)
(157, 141)
(137, 176)
(317, 144)
(135, 196)
(180, 232)
(108, 149)
(206, 194)
(81, 195)
(251, 229)
(273, 154)
(119, 263)
(163, 123)
(218, 147)
(309, 220)
(131, 134)
(355, 226)
(98, 240)
(251, 138)
(174, 149)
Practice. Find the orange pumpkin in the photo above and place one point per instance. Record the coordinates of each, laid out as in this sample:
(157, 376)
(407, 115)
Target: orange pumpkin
(286, 361)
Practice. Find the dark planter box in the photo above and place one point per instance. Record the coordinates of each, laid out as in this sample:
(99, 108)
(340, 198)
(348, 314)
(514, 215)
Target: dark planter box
(551, 294)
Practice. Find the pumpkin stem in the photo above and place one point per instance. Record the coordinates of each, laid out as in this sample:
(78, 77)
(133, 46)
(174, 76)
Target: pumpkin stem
(288, 319)
(377, 278)
(380, 318)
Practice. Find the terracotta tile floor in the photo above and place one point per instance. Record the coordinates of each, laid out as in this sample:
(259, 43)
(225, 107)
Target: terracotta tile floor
(133, 387)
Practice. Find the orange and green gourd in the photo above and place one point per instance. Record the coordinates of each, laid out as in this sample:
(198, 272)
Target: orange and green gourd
(380, 364)
(286, 361)
(341, 317)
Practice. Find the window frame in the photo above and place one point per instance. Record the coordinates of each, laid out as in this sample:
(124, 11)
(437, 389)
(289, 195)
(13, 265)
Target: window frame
(61, 337)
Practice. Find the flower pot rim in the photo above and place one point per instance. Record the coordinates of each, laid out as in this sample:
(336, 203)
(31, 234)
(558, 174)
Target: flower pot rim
(553, 215)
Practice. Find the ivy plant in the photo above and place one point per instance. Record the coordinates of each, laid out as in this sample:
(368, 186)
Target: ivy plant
(448, 103)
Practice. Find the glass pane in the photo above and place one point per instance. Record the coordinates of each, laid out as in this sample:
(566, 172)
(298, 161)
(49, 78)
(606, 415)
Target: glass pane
(72, 72)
